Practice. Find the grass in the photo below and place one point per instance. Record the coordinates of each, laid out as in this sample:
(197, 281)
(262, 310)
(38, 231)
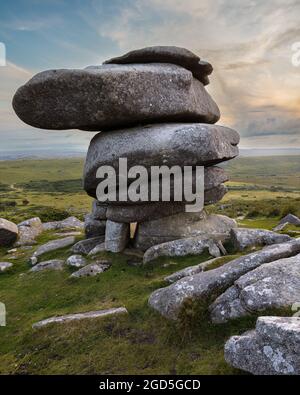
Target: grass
(141, 342)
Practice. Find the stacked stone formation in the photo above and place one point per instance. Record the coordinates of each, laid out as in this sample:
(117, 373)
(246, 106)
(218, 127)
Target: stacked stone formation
(152, 108)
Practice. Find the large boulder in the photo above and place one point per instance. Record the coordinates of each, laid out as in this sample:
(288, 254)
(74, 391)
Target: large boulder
(167, 54)
(8, 232)
(28, 231)
(181, 145)
(243, 238)
(205, 287)
(181, 226)
(182, 247)
(116, 236)
(273, 348)
(112, 96)
(272, 286)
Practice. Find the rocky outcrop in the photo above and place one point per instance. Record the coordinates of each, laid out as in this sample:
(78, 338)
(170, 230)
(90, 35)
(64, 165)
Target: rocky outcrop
(205, 287)
(80, 316)
(273, 348)
(270, 287)
(243, 238)
(8, 232)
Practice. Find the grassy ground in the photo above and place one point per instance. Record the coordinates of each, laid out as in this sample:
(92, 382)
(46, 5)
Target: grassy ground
(141, 342)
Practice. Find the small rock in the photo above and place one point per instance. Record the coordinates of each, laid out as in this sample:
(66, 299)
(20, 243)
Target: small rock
(273, 348)
(116, 236)
(8, 232)
(5, 266)
(53, 264)
(96, 250)
(288, 219)
(92, 269)
(76, 261)
(80, 316)
(28, 231)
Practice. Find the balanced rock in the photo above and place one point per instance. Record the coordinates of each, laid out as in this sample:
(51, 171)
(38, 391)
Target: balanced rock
(113, 96)
(212, 283)
(183, 225)
(167, 54)
(273, 348)
(243, 238)
(274, 285)
(8, 232)
(28, 231)
(181, 144)
(85, 246)
(116, 236)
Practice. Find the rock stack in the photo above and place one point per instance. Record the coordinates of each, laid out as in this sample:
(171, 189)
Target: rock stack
(152, 108)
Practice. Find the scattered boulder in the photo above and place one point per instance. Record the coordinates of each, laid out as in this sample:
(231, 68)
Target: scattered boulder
(167, 54)
(116, 236)
(206, 286)
(8, 232)
(68, 223)
(182, 247)
(53, 264)
(274, 285)
(182, 144)
(96, 250)
(288, 219)
(52, 245)
(189, 271)
(96, 98)
(87, 245)
(76, 261)
(80, 316)
(243, 238)
(183, 225)
(92, 269)
(93, 228)
(28, 231)
(273, 348)
(5, 266)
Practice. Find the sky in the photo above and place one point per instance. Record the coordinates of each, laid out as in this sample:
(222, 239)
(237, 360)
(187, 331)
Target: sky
(250, 44)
